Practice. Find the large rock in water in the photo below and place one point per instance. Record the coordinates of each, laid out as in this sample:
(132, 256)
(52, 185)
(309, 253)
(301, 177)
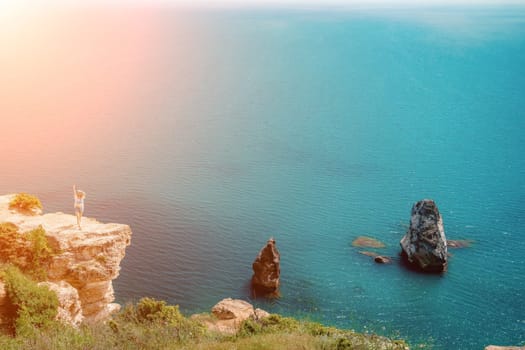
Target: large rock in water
(89, 259)
(425, 244)
(266, 269)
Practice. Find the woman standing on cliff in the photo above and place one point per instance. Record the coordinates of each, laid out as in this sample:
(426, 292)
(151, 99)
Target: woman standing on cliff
(79, 204)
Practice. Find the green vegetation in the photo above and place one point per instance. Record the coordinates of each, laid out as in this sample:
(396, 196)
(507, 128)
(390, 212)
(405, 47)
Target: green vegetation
(35, 307)
(40, 252)
(25, 203)
(152, 324)
(324, 337)
(28, 251)
(12, 247)
(152, 317)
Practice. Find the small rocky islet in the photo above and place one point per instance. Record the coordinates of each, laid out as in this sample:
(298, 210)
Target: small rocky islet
(424, 247)
(266, 271)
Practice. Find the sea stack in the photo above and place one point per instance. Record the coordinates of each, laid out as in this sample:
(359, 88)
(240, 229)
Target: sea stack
(425, 246)
(266, 270)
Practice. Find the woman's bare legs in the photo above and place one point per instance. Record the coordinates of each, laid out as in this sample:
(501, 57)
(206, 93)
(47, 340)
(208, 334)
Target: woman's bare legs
(79, 218)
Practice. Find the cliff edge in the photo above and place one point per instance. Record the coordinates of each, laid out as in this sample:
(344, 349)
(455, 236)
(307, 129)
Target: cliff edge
(88, 260)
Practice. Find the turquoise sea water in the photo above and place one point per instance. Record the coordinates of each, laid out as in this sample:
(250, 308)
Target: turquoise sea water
(311, 126)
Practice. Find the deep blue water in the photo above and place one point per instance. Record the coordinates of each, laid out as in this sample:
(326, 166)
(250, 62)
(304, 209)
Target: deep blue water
(313, 127)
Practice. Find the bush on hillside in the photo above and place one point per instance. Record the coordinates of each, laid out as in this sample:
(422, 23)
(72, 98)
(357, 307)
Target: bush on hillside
(36, 306)
(25, 203)
(152, 324)
(28, 251)
(155, 315)
(14, 248)
(40, 253)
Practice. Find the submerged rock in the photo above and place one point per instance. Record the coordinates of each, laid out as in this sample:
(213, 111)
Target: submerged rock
(459, 243)
(266, 270)
(367, 253)
(367, 242)
(425, 245)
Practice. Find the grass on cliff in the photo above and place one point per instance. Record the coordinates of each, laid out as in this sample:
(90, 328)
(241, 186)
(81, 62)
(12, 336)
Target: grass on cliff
(25, 203)
(152, 324)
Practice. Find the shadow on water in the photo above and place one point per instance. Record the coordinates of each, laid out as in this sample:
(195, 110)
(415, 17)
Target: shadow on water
(403, 262)
(297, 295)
(257, 292)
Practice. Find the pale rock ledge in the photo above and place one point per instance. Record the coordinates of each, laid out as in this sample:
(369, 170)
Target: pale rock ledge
(89, 259)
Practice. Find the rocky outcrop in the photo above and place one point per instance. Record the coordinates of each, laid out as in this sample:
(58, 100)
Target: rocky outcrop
(232, 309)
(266, 270)
(88, 259)
(228, 315)
(425, 246)
(69, 307)
(495, 347)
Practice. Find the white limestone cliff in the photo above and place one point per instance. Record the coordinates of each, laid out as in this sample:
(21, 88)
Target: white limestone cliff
(88, 260)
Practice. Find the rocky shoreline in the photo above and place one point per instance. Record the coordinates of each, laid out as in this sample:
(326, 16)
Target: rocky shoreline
(88, 260)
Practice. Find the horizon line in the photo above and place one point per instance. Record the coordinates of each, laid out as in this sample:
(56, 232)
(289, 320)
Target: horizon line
(267, 3)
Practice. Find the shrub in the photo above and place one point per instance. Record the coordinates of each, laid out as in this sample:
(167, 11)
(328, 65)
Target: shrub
(25, 202)
(8, 238)
(151, 316)
(40, 252)
(36, 306)
(7, 228)
(13, 246)
(250, 327)
(149, 310)
(343, 344)
(29, 251)
(277, 323)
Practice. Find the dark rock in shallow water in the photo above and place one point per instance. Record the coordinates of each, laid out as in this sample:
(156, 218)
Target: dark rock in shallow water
(382, 259)
(425, 246)
(266, 271)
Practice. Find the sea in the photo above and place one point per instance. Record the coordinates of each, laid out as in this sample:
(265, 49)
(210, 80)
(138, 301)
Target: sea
(210, 130)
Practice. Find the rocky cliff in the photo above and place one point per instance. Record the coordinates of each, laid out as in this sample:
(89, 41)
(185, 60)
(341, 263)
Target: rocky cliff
(87, 263)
